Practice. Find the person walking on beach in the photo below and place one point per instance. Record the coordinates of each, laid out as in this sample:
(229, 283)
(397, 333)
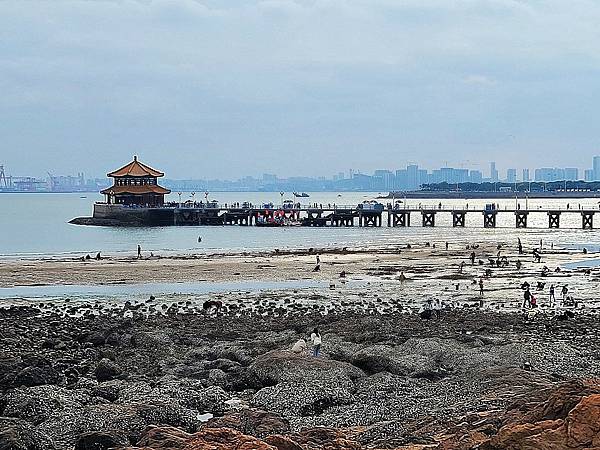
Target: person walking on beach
(520, 246)
(472, 258)
(481, 286)
(315, 337)
(139, 251)
(552, 298)
(526, 298)
(565, 291)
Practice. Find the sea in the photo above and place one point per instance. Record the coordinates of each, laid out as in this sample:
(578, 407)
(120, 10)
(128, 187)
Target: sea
(36, 225)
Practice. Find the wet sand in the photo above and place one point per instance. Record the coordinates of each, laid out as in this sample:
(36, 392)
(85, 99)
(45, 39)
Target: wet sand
(431, 273)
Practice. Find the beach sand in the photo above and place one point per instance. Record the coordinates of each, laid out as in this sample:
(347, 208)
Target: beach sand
(431, 273)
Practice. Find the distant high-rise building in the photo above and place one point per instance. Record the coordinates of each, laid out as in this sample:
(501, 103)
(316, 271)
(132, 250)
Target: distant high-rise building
(424, 177)
(511, 175)
(526, 175)
(549, 174)
(493, 172)
(588, 175)
(387, 179)
(475, 176)
(402, 180)
(596, 168)
(412, 177)
(571, 173)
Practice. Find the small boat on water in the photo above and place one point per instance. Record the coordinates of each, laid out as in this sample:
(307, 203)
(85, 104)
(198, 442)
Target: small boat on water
(303, 195)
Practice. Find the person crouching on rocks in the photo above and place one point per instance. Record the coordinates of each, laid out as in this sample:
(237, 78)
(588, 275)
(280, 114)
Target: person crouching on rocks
(299, 347)
(315, 337)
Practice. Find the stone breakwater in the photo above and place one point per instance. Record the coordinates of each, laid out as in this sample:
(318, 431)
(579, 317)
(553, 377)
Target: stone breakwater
(196, 381)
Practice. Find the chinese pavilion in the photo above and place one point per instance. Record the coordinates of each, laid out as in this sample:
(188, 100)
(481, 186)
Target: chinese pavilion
(135, 184)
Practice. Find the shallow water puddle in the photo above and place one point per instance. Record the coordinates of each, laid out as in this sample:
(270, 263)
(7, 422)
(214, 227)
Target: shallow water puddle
(75, 290)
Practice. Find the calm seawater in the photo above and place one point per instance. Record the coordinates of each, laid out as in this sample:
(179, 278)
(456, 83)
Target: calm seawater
(33, 225)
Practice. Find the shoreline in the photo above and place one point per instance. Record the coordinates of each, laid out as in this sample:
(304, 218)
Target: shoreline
(430, 273)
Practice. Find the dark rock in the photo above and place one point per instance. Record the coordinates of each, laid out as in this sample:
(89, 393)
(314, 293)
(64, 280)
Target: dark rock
(36, 376)
(19, 435)
(101, 440)
(107, 370)
(96, 339)
(108, 390)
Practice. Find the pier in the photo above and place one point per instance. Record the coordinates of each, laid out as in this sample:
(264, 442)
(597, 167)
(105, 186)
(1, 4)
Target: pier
(317, 215)
(136, 199)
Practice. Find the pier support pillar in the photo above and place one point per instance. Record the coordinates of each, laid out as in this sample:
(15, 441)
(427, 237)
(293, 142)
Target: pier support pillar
(370, 220)
(489, 219)
(553, 219)
(428, 218)
(458, 218)
(587, 220)
(400, 219)
(521, 219)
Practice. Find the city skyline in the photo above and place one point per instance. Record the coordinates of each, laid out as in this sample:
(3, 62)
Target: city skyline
(412, 177)
(313, 172)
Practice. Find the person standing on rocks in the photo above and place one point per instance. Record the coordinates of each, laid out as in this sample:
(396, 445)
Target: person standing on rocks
(481, 286)
(552, 298)
(315, 337)
(139, 251)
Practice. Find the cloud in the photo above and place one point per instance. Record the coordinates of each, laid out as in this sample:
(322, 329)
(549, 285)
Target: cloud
(253, 85)
(480, 80)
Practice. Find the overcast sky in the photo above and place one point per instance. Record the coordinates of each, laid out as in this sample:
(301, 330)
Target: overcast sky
(224, 88)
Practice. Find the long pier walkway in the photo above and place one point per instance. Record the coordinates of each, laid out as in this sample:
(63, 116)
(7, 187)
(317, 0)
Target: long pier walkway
(348, 216)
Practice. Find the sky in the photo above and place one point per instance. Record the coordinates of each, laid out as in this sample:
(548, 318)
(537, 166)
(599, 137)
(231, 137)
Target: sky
(227, 88)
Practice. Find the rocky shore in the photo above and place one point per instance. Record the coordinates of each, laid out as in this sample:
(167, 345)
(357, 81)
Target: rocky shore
(185, 379)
